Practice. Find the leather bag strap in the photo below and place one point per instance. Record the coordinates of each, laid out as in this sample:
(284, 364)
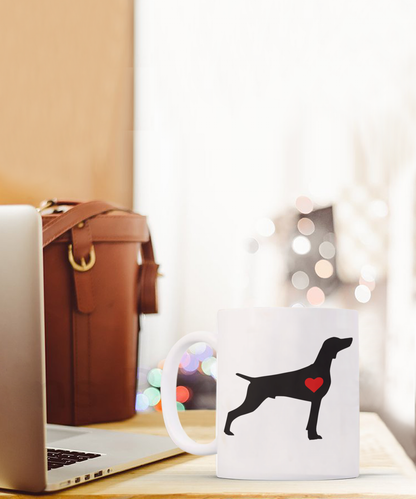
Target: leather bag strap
(148, 269)
(73, 217)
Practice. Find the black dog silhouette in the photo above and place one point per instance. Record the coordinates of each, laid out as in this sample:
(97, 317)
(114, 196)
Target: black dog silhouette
(310, 383)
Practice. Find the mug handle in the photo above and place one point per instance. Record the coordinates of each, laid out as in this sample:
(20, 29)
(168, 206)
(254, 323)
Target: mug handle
(168, 393)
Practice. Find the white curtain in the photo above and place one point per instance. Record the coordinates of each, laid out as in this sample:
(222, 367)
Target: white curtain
(241, 106)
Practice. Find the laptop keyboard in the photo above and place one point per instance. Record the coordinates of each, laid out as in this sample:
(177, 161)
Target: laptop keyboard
(60, 457)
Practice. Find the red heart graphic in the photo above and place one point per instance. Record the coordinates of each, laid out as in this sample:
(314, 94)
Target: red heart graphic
(314, 384)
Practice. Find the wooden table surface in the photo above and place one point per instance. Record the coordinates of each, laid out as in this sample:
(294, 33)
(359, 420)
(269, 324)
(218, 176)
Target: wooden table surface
(386, 471)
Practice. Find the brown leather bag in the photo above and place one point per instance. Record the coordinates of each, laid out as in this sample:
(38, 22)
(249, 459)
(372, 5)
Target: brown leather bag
(95, 291)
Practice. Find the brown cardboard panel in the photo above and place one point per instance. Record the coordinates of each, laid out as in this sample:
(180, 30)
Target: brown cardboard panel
(66, 100)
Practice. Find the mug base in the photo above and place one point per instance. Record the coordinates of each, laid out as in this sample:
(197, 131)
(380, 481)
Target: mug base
(290, 477)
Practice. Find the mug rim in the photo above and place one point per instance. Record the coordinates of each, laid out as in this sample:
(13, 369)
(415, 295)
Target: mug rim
(235, 309)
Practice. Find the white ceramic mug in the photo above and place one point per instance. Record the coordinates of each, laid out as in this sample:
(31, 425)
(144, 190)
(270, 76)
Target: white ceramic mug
(287, 394)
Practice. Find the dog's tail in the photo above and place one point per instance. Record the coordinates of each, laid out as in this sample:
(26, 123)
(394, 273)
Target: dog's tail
(244, 377)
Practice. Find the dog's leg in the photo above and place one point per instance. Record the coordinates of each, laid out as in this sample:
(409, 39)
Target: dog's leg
(250, 404)
(313, 420)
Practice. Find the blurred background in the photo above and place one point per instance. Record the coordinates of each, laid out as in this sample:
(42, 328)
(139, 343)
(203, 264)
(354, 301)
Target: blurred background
(275, 152)
(272, 145)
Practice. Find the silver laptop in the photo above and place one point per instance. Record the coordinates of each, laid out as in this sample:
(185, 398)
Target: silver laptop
(34, 456)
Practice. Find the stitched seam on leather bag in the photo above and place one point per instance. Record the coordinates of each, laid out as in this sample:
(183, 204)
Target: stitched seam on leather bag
(83, 282)
(131, 216)
(67, 227)
(91, 280)
(74, 366)
(89, 363)
(122, 239)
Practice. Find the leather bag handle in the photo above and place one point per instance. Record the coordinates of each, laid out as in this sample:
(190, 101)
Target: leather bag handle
(148, 270)
(77, 214)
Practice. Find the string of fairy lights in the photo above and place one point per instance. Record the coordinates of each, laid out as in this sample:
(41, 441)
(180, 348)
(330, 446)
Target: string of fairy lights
(316, 246)
(200, 357)
(324, 268)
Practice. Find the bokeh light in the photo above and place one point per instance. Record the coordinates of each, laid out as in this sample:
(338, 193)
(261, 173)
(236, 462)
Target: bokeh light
(301, 245)
(297, 305)
(142, 402)
(199, 357)
(315, 296)
(324, 269)
(251, 245)
(368, 273)
(362, 293)
(185, 360)
(265, 227)
(207, 365)
(182, 394)
(214, 370)
(153, 396)
(205, 354)
(304, 204)
(300, 280)
(180, 406)
(370, 285)
(306, 226)
(192, 366)
(327, 250)
(142, 378)
(155, 377)
(197, 348)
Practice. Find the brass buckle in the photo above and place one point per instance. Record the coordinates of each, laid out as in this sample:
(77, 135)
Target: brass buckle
(84, 267)
(44, 205)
